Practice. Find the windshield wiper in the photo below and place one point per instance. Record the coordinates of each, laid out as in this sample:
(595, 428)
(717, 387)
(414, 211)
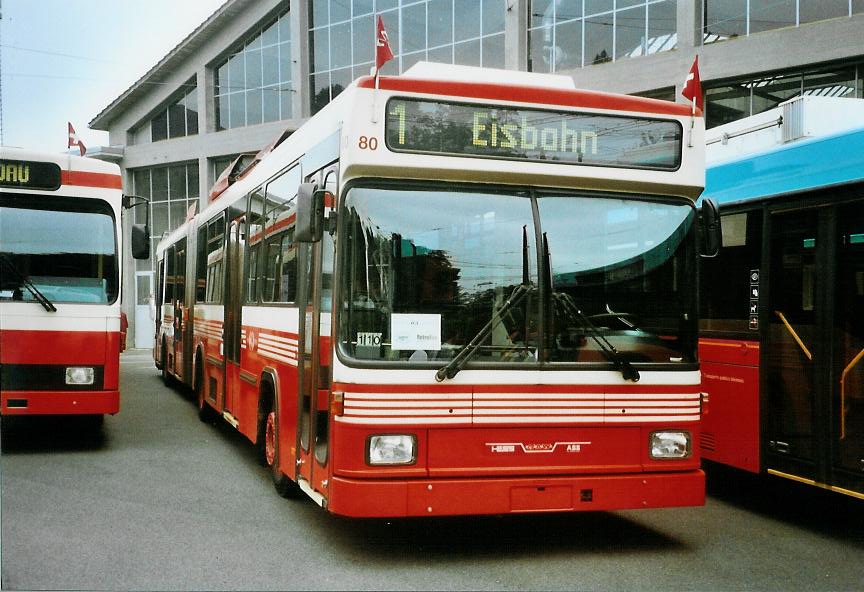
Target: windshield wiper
(613, 355)
(518, 295)
(468, 350)
(31, 287)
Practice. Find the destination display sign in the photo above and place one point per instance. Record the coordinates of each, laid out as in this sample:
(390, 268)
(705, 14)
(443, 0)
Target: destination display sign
(22, 174)
(475, 130)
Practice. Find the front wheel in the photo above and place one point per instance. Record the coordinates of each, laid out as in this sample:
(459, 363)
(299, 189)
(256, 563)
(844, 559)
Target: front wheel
(284, 486)
(166, 375)
(205, 412)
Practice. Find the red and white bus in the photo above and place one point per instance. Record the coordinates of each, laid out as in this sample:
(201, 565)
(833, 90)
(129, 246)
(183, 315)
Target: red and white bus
(782, 342)
(60, 266)
(454, 295)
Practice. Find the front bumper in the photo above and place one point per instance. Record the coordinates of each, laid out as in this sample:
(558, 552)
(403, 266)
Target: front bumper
(449, 497)
(60, 402)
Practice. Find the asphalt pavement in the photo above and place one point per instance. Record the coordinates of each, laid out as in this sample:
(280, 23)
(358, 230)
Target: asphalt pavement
(157, 500)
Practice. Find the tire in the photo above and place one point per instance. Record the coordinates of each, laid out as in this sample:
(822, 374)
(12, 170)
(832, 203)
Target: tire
(284, 485)
(261, 436)
(205, 412)
(166, 377)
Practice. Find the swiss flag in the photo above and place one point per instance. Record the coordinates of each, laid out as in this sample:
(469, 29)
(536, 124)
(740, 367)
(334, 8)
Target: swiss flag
(74, 141)
(383, 53)
(693, 86)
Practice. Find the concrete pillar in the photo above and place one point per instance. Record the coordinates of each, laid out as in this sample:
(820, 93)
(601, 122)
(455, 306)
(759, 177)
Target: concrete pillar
(689, 24)
(206, 125)
(516, 35)
(299, 15)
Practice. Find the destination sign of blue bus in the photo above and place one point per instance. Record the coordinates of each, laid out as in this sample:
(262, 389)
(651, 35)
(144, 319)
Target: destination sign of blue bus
(463, 129)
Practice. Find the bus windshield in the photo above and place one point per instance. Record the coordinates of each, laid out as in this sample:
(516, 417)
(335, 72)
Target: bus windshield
(426, 270)
(65, 248)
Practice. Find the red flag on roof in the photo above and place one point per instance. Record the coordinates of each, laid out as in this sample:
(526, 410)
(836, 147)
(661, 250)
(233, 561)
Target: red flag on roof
(693, 86)
(74, 141)
(383, 53)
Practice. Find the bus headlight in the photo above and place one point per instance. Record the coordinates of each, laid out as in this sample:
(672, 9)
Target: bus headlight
(392, 449)
(669, 444)
(79, 375)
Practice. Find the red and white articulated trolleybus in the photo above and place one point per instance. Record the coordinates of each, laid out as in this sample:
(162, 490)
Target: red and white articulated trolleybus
(60, 264)
(782, 345)
(465, 292)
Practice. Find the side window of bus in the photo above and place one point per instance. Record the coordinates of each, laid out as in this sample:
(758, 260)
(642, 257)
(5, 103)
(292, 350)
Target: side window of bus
(273, 248)
(180, 283)
(328, 246)
(279, 282)
(725, 298)
(288, 268)
(201, 265)
(169, 275)
(255, 234)
(160, 289)
(215, 247)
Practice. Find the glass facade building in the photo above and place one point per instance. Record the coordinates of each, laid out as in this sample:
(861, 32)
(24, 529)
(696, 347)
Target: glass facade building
(257, 67)
(727, 19)
(253, 85)
(170, 191)
(342, 34)
(566, 34)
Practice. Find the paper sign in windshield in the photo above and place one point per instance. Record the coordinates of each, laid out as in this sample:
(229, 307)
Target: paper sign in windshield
(415, 331)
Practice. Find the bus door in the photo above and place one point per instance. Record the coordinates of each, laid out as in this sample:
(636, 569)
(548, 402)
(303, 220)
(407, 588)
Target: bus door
(181, 313)
(789, 380)
(233, 302)
(308, 353)
(848, 340)
(814, 373)
(315, 302)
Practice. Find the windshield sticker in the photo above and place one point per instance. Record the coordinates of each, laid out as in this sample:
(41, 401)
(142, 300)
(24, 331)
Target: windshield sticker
(369, 339)
(415, 331)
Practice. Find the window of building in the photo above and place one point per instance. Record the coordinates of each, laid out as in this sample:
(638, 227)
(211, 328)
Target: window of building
(734, 18)
(735, 100)
(663, 94)
(219, 164)
(253, 85)
(566, 34)
(342, 37)
(172, 190)
(178, 119)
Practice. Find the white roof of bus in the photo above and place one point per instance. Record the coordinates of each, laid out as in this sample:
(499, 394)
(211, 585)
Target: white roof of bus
(66, 162)
(452, 72)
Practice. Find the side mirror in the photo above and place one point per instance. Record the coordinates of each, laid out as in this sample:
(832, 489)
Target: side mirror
(140, 241)
(310, 214)
(712, 235)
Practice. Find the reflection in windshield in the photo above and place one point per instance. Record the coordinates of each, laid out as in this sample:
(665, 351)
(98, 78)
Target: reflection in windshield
(625, 265)
(425, 271)
(67, 253)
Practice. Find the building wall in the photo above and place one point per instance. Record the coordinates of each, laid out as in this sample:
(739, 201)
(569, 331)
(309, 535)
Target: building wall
(827, 42)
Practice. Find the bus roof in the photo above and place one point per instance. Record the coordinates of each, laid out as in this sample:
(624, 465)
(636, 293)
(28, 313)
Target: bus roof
(836, 159)
(521, 87)
(75, 170)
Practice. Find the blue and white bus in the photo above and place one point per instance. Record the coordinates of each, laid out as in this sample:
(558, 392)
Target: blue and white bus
(782, 306)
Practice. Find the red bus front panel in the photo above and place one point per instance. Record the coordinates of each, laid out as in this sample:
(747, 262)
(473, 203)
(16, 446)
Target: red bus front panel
(502, 449)
(34, 372)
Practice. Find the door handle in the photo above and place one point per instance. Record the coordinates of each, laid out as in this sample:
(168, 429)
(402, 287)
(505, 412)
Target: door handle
(846, 371)
(794, 335)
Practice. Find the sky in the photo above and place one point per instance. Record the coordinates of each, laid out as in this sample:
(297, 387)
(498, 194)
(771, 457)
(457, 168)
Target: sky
(66, 60)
